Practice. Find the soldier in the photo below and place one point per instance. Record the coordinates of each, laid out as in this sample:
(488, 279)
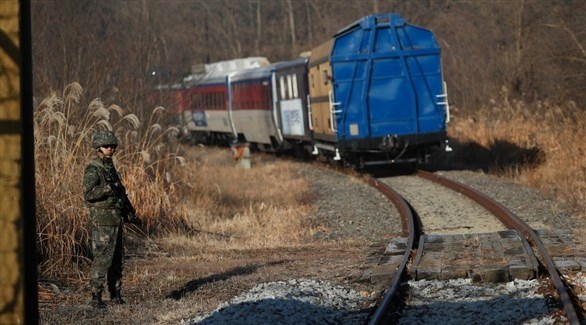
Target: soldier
(109, 206)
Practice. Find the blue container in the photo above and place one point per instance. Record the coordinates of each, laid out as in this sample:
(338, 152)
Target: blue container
(388, 85)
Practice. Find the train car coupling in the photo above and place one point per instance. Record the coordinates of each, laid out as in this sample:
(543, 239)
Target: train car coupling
(391, 141)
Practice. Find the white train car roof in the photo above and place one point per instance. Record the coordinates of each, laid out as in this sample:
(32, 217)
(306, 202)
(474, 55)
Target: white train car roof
(254, 73)
(266, 71)
(288, 64)
(176, 86)
(225, 67)
(217, 72)
(203, 79)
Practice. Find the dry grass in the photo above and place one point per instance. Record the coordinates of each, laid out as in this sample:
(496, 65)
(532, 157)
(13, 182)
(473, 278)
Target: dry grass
(202, 200)
(63, 131)
(226, 209)
(539, 145)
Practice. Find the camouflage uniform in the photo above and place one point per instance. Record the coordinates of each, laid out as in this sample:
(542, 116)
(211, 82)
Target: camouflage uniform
(109, 206)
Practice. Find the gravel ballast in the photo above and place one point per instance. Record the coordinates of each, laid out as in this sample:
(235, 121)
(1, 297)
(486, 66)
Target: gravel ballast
(460, 302)
(431, 302)
(297, 301)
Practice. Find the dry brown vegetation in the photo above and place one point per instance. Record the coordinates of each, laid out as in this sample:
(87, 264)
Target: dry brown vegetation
(63, 131)
(535, 48)
(196, 201)
(540, 145)
(233, 208)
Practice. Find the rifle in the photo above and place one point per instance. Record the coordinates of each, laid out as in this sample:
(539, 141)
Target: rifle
(128, 211)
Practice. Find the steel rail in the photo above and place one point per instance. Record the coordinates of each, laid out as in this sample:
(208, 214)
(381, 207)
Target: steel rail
(512, 222)
(381, 315)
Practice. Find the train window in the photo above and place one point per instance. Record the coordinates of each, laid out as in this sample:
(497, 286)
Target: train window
(282, 86)
(247, 98)
(238, 98)
(241, 99)
(195, 101)
(247, 101)
(295, 90)
(289, 87)
(263, 100)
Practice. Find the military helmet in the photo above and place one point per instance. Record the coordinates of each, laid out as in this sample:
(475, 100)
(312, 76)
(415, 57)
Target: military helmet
(102, 138)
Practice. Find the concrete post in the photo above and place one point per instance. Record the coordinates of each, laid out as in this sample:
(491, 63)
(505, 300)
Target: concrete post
(241, 153)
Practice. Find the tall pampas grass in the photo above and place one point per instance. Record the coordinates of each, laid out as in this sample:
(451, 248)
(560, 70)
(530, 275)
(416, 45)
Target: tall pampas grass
(146, 158)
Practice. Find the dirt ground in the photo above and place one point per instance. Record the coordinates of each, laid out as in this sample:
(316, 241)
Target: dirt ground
(166, 283)
(163, 288)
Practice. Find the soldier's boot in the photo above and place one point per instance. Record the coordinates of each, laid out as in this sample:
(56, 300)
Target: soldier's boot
(97, 301)
(116, 297)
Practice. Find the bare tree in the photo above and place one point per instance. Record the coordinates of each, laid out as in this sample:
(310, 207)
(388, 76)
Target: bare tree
(292, 27)
(258, 28)
(535, 48)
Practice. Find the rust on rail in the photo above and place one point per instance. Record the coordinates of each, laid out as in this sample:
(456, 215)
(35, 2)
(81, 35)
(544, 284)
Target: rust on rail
(413, 229)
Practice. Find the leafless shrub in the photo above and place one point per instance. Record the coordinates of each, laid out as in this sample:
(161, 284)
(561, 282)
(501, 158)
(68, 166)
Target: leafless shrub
(202, 196)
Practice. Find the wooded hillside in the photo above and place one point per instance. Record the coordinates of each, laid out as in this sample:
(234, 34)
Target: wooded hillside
(535, 49)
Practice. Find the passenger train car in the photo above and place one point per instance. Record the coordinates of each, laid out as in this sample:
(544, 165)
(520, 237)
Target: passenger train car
(268, 105)
(372, 94)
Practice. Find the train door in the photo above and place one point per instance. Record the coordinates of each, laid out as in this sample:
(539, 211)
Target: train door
(406, 83)
(392, 90)
(323, 104)
(230, 101)
(291, 95)
(277, 133)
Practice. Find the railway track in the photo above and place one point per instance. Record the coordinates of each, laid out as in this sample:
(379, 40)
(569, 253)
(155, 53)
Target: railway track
(340, 282)
(413, 251)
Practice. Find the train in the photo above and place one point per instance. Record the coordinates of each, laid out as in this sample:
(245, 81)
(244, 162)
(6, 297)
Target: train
(372, 94)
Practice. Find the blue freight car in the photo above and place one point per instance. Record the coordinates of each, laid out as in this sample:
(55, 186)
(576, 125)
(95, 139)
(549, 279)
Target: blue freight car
(377, 92)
